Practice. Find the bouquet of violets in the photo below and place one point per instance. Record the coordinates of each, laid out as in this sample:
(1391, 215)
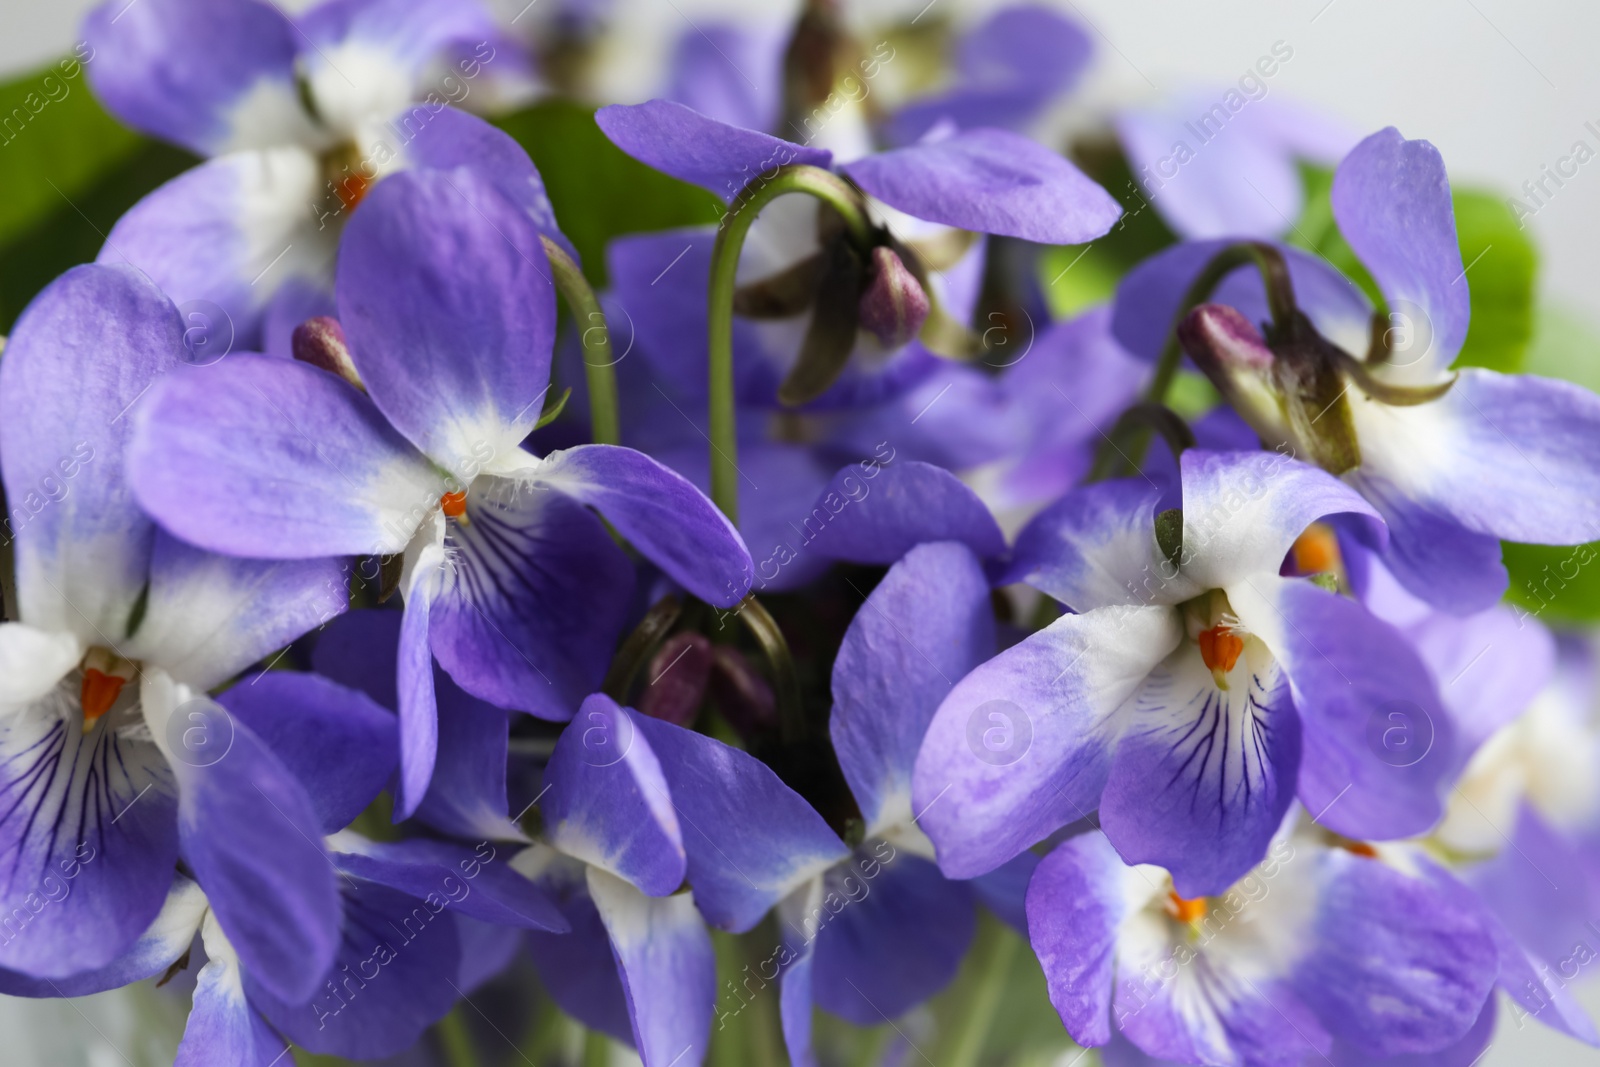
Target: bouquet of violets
(495, 579)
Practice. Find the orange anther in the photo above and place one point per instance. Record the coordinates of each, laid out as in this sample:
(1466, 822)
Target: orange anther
(454, 504)
(351, 190)
(1220, 648)
(98, 694)
(1186, 911)
(1317, 550)
(1361, 848)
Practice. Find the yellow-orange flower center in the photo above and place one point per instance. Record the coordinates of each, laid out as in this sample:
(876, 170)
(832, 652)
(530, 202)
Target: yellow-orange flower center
(454, 504)
(1220, 648)
(1317, 550)
(350, 190)
(1186, 911)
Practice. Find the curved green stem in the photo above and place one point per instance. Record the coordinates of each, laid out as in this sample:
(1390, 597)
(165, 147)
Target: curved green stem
(1280, 300)
(962, 1045)
(793, 178)
(595, 336)
(785, 679)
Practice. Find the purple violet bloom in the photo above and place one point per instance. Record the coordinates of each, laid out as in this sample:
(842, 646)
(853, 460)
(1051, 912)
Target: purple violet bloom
(509, 579)
(302, 117)
(1196, 693)
(1323, 946)
(1453, 462)
(397, 967)
(105, 784)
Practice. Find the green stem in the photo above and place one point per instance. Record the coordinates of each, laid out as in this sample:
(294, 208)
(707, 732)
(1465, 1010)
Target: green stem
(792, 178)
(1280, 299)
(785, 679)
(599, 367)
(990, 964)
(457, 1041)
(596, 1049)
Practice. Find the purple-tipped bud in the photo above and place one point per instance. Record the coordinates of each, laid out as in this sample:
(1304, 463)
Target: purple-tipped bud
(893, 305)
(1219, 335)
(676, 685)
(320, 342)
(743, 696)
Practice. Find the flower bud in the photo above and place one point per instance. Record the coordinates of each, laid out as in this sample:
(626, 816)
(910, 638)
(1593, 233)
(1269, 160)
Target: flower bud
(320, 342)
(893, 305)
(742, 695)
(676, 685)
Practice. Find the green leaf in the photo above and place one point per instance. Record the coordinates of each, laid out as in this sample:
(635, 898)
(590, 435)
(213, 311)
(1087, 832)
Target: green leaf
(598, 191)
(69, 171)
(1501, 266)
(1557, 584)
(1564, 345)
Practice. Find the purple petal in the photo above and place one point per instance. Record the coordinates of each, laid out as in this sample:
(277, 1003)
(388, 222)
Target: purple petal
(1401, 964)
(1202, 777)
(668, 969)
(730, 73)
(1076, 906)
(796, 957)
(223, 1027)
(225, 238)
(275, 459)
(358, 650)
(1535, 888)
(928, 623)
(700, 150)
(667, 519)
(1242, 512)
(88, 838)
(418, 704)
(1377, 745)
(750, 838)
(445, 296)
(478, 881)
(1391, 198)
(160, 946)
(251, 835)
(990, 181)
(1505, 455)
(207, 617)
(1467, 1052)
(467, 795)
(1022, 745)
(487, 951)
(577, 969)
(1004, 890)
(83, 352)
(401, 39)
(1097, 546)
(876, 512)
(606, 801)
(1432, 555)
(192, 71)
(1192, 1020)
(391, 980)
(891, 933)
(339, 745)
(533, 599)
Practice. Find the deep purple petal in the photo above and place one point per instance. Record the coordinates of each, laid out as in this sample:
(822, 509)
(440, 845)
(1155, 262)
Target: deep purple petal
(88, 838)
(661, 514)
(339, 745)
(606, 801)
(700, 150)
(251, 835)
(223, 1027)
(391, 980)
(668, 968)
(876, 512)
(1376, 743)
(1432, 555)
(578, 969)
(184, 70)
(477, 881)
(889, 941)
(532, 600)
(1022, 745)
(990, 181)
(1202, 777)
(83, 352)
(750, 838)
(467, 795)
(1391, 198)
(276, 459)
(1400, 964)
(445, 296)
(927, 624)
(1076, 906)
